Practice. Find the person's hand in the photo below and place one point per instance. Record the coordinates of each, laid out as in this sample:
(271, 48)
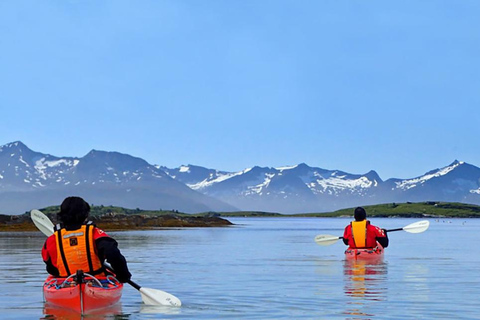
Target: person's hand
(384, 231)
(123, 279)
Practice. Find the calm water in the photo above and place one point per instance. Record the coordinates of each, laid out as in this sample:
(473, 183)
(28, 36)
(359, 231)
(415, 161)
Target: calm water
(270, 268)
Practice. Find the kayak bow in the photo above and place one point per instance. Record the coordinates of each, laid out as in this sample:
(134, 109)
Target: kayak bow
(82, 296)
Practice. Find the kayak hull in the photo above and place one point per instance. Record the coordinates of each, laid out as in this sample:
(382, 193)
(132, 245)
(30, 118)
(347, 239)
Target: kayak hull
(82, 298)
(365, 253)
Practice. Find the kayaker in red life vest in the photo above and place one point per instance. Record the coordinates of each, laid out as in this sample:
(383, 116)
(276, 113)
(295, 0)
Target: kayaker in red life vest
(361, 234)
(79, 245)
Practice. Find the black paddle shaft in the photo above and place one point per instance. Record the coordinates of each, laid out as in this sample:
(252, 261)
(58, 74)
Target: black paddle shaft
(398, 229)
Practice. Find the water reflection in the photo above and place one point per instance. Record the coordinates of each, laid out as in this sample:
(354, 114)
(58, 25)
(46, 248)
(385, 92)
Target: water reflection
(57, 313)
(365, 280)
(147, 309)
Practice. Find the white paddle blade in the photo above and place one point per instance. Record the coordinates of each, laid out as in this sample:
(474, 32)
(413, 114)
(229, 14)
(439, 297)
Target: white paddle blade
(154, 297)
(417, 227)
(42, 222)
(325, 239)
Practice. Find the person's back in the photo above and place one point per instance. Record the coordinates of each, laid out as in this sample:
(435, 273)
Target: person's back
(361, 234)
(77, 245)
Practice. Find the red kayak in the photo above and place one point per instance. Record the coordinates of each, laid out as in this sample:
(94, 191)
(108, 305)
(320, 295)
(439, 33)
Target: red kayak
(365, 253)
(90, 293)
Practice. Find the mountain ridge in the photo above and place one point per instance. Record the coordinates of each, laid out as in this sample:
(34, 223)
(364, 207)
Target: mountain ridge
(334, 189)
(30, 179)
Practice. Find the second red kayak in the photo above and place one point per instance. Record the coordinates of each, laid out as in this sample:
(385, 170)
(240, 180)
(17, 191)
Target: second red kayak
(89, 294)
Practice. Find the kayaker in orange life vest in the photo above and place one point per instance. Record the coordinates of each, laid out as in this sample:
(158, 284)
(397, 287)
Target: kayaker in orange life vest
(77, 244)
(361, 234)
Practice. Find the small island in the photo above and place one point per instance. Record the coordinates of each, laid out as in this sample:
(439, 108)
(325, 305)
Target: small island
(116, 219)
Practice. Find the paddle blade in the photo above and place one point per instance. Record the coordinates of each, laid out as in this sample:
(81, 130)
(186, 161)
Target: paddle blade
(417, 227)
(325, 239)
(154, 297)
(42, 222)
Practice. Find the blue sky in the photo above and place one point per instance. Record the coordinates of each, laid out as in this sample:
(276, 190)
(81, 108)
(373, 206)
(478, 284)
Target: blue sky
(392, 86)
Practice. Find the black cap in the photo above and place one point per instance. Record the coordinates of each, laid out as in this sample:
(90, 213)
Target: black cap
(73, 211)
(360, 214)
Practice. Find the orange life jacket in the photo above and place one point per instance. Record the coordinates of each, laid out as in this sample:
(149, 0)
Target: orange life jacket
(359, 232)
(76, 251)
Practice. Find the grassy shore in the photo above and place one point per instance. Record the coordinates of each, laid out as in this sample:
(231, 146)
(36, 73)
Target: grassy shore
(409, 210)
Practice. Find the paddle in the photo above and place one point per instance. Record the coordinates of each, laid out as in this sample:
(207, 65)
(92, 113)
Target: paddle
(149, 296)
(416, 227)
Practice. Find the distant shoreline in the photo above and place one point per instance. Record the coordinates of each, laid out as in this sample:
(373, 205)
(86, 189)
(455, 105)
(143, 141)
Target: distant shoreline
(118, 219)
(427, 209)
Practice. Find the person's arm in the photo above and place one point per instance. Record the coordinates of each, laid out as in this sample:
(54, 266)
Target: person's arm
(382, 237)
(51, 269)
(346, 235)
(107, 249)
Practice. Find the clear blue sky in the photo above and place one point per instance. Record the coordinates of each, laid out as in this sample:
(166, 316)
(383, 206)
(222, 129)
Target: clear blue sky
(392, 86)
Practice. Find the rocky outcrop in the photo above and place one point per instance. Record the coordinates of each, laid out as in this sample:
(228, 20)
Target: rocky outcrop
(113, 221)
(138, 221)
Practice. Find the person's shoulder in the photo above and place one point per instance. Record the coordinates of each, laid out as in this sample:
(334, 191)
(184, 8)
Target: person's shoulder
(379, 231)
(99, 233)
(50, 239)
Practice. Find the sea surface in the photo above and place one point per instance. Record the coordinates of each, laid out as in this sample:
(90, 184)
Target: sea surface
(270, 268)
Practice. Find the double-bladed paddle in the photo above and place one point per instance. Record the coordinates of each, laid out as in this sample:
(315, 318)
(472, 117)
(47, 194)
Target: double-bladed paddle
(149, 296)
(416, 227)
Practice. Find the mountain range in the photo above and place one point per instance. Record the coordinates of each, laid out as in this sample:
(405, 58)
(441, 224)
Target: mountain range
(30, 179)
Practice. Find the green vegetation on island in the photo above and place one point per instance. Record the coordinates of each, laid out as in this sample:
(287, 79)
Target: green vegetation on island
(427, 209)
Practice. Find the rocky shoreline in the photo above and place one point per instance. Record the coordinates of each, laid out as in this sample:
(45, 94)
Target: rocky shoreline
(119, 221)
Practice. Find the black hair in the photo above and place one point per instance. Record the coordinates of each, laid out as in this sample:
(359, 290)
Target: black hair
(73, 210)
(360, 214)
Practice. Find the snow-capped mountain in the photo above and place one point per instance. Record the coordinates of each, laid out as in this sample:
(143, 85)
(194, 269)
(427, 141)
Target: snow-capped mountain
(457, 182)
(297, 188)
(302, 188)
(30, 179)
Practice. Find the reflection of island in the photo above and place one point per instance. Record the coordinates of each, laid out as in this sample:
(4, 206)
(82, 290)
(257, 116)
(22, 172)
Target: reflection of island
(364, 280)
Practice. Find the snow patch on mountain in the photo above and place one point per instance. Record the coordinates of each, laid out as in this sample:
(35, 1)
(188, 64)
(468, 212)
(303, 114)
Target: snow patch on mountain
(411, 183)
(184, 169)
(340, 183)
(259, 187)
(286, 168)
(211, 180)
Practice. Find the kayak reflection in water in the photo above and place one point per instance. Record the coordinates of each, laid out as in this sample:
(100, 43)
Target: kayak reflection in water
(360, 234)
(79, 245)
(365, 278)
